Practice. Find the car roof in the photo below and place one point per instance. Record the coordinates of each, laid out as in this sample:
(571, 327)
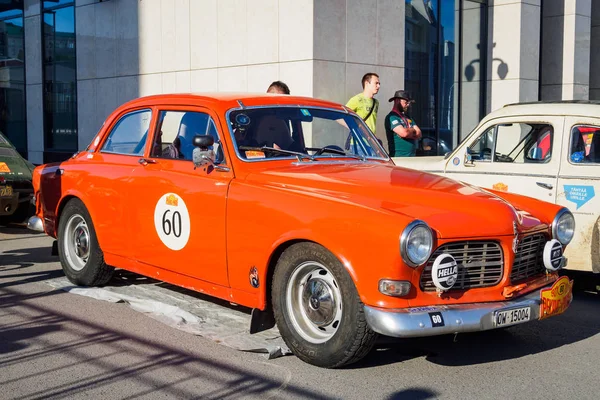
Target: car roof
(560, 107)
(226, 101)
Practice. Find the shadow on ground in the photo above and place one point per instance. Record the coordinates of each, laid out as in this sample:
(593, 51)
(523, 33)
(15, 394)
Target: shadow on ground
(100, 359)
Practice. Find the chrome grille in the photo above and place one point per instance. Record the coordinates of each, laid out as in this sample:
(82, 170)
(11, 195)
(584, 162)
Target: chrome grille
(480, 264)
(529, 258)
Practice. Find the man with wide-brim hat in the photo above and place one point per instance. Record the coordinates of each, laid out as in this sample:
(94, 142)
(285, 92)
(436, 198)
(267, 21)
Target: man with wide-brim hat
(401, 131)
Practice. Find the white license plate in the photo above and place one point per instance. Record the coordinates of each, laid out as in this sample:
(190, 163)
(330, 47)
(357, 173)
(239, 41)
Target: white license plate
(6, 191)
(512, 317)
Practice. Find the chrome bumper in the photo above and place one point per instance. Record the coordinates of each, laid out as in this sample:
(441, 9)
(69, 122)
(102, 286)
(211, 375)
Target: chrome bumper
(417, 321)
(35, 224)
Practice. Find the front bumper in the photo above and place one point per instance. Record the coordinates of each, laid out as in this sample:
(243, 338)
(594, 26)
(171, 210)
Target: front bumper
(419, 321)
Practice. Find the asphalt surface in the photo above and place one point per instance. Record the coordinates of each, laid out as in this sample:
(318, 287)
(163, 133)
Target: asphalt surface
(56, 345)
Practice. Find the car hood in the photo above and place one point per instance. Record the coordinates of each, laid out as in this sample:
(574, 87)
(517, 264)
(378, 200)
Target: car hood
(17, 168)
(453, 209)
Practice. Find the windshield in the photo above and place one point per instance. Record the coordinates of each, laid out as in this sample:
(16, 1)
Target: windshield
(289, 132)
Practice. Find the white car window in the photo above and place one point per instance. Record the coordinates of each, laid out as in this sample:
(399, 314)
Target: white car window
(585, 145)
(514, 143)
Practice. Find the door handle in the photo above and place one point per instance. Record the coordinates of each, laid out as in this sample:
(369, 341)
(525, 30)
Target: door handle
(544, 185)
(146, 161)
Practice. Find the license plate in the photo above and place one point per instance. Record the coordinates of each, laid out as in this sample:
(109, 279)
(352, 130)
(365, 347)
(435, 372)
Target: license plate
(556, 300)
(512, 317)
(6, 191)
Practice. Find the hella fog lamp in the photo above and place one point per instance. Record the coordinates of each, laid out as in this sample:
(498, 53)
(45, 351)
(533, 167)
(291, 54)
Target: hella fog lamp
(394, 288)
(563, 226)
(416, 243)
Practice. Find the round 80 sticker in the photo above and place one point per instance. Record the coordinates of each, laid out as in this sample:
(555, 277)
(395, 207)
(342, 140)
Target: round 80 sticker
(172, 221)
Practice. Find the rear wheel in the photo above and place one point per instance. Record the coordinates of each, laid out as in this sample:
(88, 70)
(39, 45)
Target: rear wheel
(80, 255)
(317, 308)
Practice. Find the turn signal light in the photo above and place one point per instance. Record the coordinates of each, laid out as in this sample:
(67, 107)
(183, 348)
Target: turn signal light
(394, 288)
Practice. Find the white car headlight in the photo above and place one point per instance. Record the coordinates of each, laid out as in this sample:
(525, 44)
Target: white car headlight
(563, 226)
(416, 243)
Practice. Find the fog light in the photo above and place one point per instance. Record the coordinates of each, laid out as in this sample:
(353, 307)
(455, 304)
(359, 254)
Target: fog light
(394, 288)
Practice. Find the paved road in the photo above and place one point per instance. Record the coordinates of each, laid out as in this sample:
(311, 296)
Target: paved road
(55, 345)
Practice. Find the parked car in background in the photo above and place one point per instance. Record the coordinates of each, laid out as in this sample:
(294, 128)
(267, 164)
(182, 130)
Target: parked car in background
(290, 206)
(16, 189)
(546, 150)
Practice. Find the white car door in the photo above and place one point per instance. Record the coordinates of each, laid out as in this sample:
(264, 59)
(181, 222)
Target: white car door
(514, 154)
(579, 189)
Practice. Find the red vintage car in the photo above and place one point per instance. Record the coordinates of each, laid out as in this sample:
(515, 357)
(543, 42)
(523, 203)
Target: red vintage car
(290, 206)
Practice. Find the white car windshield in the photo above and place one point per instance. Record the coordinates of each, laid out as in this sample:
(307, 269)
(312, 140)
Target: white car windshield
(284, 132)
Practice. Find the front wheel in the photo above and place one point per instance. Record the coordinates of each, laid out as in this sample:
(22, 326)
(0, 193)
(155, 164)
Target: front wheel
(80, 255)
(317, 308)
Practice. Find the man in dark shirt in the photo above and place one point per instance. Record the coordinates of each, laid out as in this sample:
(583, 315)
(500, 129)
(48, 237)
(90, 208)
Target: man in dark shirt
(401, 131)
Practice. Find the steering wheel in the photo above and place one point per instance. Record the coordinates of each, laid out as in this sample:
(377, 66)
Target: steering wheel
(331, 148)
(485, 154)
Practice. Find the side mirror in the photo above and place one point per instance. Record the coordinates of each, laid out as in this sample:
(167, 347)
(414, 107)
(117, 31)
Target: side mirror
(203, 157)
(468, 161)
(203, 141)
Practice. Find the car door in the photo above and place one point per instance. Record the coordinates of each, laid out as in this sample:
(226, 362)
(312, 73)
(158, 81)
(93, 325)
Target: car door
(177, 212)
(515, 154)
(108, 176)
(579, 188)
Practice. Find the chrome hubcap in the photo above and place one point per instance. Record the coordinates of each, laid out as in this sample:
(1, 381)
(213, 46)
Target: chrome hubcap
(314, 302)
(77, 242)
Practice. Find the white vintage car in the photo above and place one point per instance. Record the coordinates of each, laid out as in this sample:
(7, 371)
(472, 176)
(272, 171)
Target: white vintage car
(546, 150)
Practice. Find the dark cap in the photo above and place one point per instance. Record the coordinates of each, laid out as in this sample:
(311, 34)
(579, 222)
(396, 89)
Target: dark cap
(402, 94)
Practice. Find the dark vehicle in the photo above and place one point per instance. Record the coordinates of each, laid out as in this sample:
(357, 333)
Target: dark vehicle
(16, 189)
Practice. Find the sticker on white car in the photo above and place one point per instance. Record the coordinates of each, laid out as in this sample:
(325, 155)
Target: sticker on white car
(172, 221)
(579, 194)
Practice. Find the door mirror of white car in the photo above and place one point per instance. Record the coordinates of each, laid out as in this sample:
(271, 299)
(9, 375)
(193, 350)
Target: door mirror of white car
(468, 160)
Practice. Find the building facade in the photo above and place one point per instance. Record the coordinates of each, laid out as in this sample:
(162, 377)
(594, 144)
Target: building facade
(66, 64)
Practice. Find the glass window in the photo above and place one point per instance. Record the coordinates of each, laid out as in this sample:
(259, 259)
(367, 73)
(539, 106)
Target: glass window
(60, 79)
(290, 131)
(176, 133)
(445, 64)
(129, 134)
(13, 121)
(585, 145)
(514, 143)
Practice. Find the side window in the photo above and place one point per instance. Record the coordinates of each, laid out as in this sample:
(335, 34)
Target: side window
(176, 131)
(129, 135)
(481, 149)
(585, 145)
(514, 143)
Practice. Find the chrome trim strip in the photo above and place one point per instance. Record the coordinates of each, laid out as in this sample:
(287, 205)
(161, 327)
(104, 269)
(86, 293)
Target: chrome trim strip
(35, 224)
(591, 178)
(501, 173)
(457, 318)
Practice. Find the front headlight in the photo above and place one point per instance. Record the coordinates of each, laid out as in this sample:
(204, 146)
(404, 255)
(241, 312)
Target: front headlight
(416, 243)
(563, 226)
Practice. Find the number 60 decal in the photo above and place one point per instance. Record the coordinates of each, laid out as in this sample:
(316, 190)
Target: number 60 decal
(172, 221)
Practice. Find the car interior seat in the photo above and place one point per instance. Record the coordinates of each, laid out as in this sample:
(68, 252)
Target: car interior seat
(577, 144)
(192, 124)
(271, 130)
(594, 154)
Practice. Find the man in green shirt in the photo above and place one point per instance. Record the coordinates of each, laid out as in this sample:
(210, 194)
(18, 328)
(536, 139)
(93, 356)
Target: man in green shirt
(364, 104)
(401, 131)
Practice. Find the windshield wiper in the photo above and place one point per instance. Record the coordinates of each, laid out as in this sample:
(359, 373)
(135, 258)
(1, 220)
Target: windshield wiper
(320, 150)
(278, 151)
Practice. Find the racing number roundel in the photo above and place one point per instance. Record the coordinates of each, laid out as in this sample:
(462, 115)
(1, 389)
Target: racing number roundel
(172, 221)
